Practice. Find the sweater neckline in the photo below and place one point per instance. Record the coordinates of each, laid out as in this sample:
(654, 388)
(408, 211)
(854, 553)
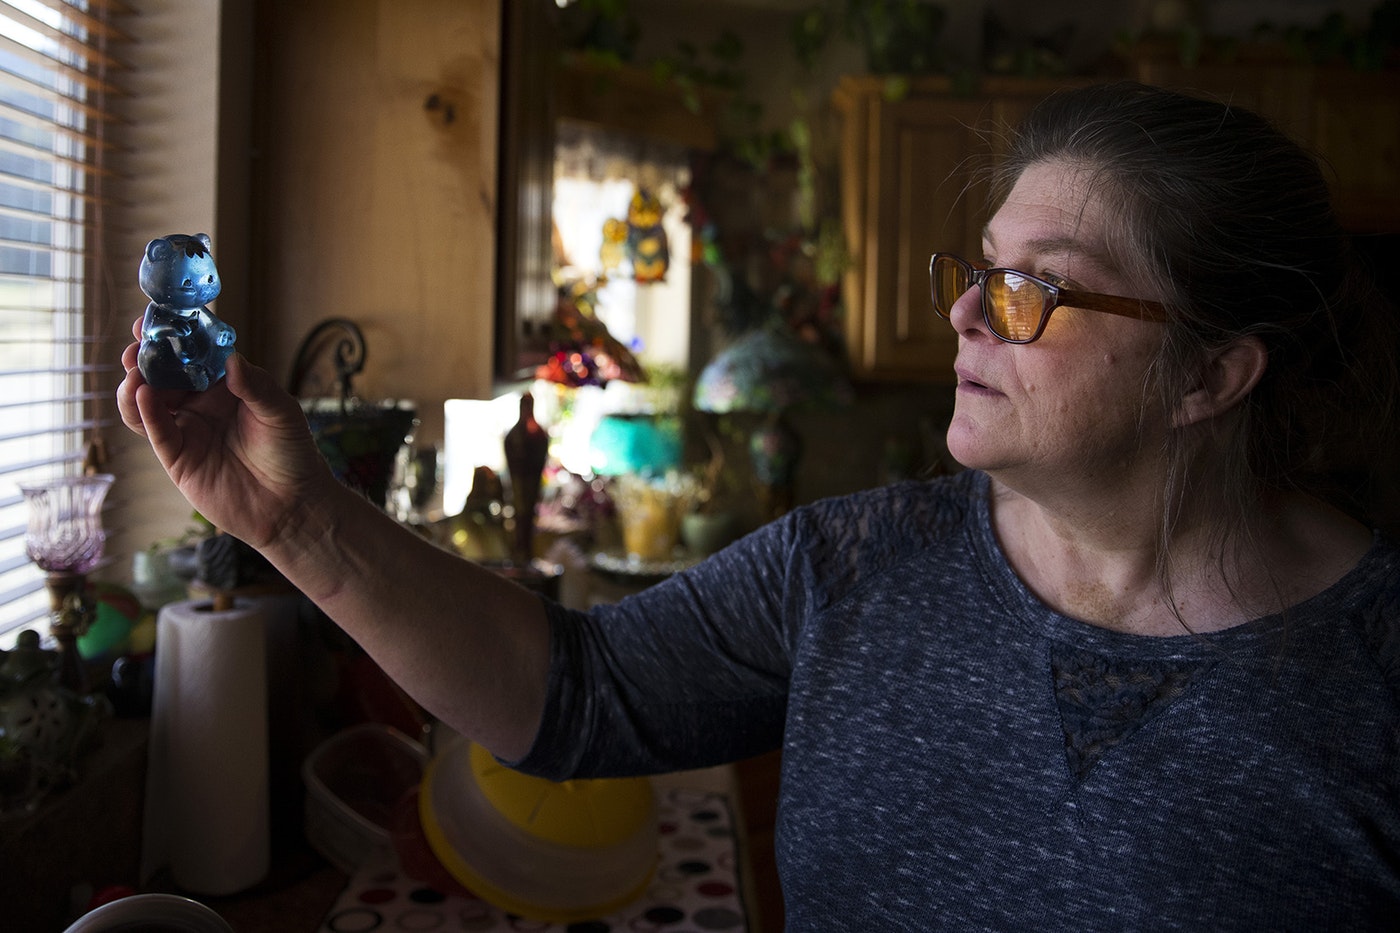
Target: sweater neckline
(1023, 604)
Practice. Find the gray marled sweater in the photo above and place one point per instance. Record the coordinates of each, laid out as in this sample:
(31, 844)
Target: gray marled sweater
(957, 756)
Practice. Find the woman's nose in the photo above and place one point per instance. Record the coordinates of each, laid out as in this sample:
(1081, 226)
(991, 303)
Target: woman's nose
(966, 313)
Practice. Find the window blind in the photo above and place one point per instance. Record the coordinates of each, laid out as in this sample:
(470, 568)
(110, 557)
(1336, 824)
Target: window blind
(60, 68)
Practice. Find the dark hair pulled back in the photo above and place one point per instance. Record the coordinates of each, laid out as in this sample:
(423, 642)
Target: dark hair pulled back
(1231, 222)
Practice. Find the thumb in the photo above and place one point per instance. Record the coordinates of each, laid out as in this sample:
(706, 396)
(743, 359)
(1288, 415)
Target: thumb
(256, 388)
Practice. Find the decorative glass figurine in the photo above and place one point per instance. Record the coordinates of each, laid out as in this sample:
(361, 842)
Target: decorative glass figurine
(527, 451)
(183, 345)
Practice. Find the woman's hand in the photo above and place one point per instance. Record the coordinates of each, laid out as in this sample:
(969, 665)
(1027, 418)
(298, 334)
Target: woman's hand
(467, 644)
(240, 451)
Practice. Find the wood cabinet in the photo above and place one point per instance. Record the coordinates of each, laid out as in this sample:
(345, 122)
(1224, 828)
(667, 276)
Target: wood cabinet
(909, 188)
(1348, 119)
(910, 182)
(1355, 128)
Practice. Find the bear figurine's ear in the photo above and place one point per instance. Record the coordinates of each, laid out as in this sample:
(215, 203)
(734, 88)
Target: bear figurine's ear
(159, 249)
(204, 239)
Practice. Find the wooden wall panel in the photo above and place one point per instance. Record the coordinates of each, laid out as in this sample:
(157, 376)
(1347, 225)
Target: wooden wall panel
(375, 189)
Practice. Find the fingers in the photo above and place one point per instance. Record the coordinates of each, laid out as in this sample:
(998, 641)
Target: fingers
(156, 421)
(126, 397)
(126, 392)
(127, 406)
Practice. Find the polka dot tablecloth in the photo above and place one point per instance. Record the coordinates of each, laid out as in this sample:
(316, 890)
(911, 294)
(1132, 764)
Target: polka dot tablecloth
(695, 888)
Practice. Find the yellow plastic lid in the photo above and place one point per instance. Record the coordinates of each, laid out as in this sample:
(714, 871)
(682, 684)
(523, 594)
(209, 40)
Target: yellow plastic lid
(593, 814)
(556, 852)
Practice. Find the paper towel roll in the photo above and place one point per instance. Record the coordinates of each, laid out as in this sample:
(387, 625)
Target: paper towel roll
(207, 796)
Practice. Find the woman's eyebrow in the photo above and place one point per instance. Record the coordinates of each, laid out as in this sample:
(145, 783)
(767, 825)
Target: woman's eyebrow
(1051, 245)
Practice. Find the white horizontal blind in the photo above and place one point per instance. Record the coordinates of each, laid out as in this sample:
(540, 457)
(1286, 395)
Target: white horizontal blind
(57, 63)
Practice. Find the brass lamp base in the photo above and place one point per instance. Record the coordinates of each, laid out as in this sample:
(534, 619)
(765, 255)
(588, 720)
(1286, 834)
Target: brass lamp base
(73, 612)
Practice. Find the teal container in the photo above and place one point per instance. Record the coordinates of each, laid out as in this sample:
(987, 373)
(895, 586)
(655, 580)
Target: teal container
(635, 444)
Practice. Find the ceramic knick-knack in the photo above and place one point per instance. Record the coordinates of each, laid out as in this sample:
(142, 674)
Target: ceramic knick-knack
(478, 532)
(45, 728)
(183, 345)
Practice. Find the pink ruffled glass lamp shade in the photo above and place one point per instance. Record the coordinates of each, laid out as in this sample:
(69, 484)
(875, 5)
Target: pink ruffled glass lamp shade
(66, 539)
(65, 533)
(769, 371)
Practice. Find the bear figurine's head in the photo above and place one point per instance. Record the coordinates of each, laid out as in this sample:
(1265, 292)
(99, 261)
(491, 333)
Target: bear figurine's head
(178, 271)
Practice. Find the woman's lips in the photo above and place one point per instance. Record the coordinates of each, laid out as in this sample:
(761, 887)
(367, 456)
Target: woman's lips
(969, 381)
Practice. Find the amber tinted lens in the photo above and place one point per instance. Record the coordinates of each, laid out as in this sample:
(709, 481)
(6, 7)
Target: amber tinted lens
(950, 281)
(1014, 305)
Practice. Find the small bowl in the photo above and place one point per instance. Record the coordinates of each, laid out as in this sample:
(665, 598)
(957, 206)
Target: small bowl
(151, 913)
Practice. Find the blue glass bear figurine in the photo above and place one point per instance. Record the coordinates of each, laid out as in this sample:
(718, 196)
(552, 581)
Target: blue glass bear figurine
(183, 345)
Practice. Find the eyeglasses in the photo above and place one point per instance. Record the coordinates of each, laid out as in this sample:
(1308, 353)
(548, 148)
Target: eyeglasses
(1016, 306)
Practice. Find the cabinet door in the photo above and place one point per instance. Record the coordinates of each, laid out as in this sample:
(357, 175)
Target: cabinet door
(917, 188)
(1357, 136)
(1273, 88)
(1345, 117)
(919, 198)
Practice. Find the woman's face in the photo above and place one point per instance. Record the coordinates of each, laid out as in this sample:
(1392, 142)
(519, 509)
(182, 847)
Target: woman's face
(1075, 406)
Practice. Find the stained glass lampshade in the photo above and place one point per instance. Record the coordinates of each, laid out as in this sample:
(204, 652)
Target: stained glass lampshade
(769, 371)
(581, 350)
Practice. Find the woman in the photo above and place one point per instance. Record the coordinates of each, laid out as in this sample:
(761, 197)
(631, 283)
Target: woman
(1124, 672)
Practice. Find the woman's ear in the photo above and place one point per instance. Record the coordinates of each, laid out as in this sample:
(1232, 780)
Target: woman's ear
(1225, 379)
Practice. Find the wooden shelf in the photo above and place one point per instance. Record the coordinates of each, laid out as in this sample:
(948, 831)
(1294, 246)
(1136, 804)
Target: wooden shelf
(631, 100)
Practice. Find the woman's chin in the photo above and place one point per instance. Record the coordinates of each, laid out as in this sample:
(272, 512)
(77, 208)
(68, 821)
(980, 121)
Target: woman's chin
(967, 443)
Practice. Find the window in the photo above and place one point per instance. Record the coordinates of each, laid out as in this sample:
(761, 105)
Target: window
(594, 176)
(652, 319)
(56, 61)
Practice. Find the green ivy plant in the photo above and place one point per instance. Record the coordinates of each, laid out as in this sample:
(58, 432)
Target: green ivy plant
(1333, 40)
(1337, 40)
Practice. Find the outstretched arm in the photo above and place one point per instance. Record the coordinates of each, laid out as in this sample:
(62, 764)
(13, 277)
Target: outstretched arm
(470, 646)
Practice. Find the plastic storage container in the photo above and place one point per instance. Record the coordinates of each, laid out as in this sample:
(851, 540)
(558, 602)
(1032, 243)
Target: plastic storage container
(353, 781)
